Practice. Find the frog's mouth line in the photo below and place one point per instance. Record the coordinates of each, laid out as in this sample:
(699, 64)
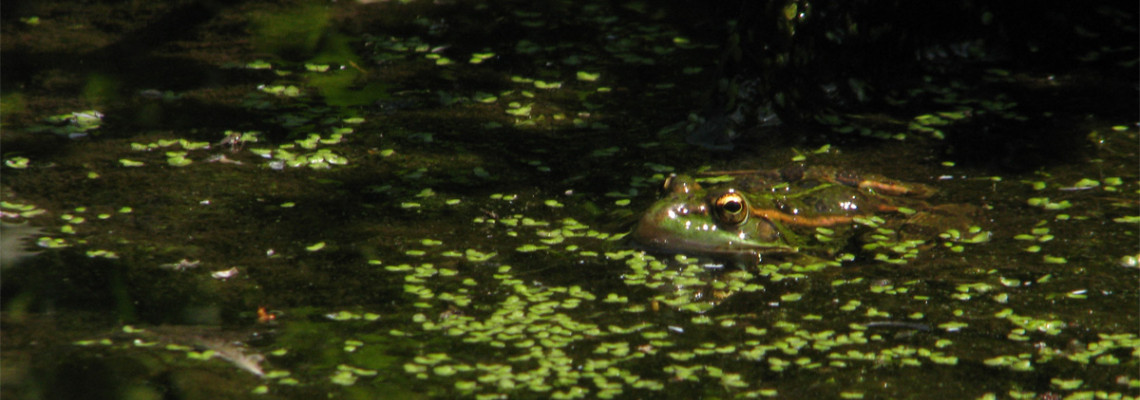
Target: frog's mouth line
(697, 247)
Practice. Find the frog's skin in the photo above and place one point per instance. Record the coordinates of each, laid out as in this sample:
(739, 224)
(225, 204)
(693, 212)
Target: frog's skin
(768, 212)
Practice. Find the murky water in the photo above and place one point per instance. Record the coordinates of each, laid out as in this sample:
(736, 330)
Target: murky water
(423, 200)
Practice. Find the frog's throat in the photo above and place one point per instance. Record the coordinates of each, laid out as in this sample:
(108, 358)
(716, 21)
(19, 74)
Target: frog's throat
(679, 245)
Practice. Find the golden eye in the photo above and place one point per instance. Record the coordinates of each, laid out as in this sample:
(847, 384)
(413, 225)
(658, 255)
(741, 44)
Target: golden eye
(731, 208)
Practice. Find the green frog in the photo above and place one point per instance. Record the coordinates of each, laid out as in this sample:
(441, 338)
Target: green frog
(780, 212)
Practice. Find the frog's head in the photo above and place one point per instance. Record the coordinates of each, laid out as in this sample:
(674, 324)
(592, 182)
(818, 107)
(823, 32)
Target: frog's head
(716, 223)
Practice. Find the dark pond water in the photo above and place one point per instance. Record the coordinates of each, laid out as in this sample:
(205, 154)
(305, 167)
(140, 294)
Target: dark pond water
(430, 200)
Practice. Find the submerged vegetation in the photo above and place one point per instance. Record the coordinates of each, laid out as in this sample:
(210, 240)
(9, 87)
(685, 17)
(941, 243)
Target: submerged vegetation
(425, 199)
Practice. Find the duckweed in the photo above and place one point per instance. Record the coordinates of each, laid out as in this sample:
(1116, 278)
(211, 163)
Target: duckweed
(791, 297)
(523, 322)
(17, 162)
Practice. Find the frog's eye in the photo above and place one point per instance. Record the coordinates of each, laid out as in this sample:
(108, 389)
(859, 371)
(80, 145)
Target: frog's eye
(731, 208)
